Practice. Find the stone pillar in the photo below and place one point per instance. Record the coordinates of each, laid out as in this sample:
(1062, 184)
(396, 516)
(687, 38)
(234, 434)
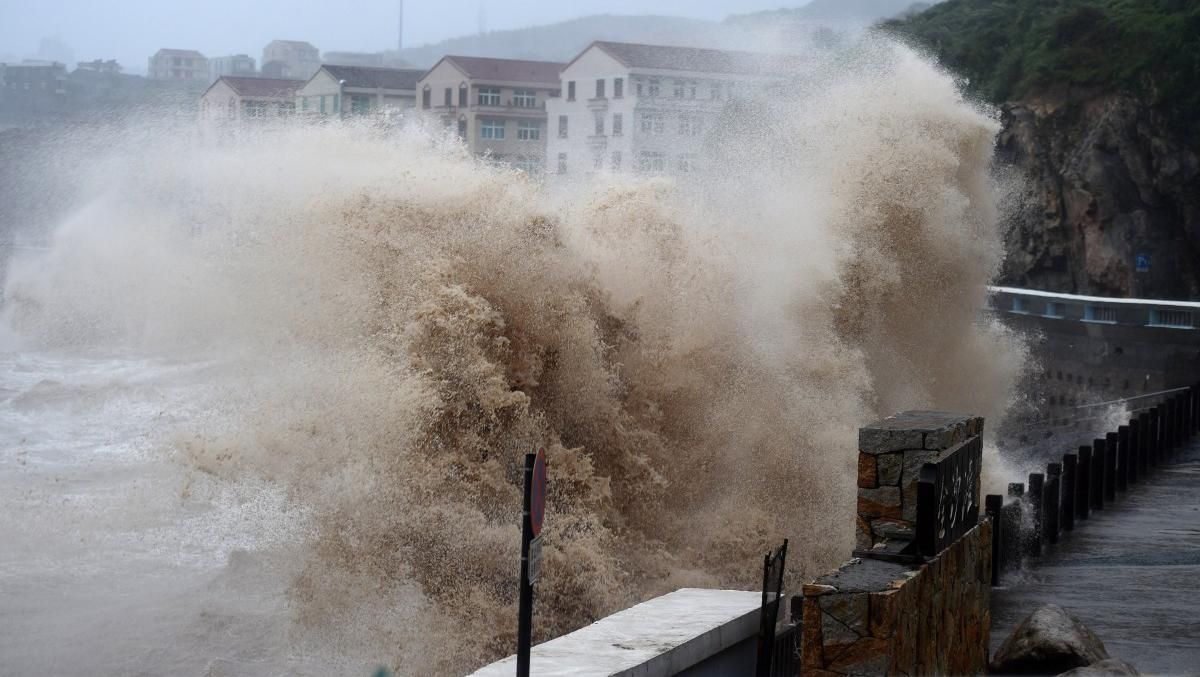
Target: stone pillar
(890, 455)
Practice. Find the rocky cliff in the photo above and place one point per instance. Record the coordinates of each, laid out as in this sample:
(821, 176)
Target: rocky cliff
(1104, 184)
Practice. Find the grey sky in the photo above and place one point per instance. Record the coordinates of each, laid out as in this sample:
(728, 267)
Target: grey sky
(132, 30)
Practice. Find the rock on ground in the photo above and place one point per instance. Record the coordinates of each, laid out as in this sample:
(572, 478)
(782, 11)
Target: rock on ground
(1048, 642)
(1113, 667)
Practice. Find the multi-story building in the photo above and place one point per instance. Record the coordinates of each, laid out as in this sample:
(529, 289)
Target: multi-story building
(294, 59)
(178, 64)
(498, 106)
(110, 67)
(369, 59)
(33, 88)
(241, 65)
(647, 108)
(341, 91)
(233, 98)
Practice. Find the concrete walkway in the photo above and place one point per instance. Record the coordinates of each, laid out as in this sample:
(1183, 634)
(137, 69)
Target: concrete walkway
(1130, 573)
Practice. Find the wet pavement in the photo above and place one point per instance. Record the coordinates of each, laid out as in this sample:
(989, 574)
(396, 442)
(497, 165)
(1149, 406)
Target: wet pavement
(1131, 573)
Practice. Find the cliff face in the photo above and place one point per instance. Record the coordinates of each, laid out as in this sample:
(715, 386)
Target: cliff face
(1105, 184)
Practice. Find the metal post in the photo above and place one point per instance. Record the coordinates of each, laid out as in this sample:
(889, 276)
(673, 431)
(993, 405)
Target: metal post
(1051, 512)
(1152, 446)
(1070, 474)
(1135, 454)
(1037, 496)
(1096, 490)
(1110, 466)
(992, 505)
(525, 611)
(1123, 458)
(1169, 428)
(1083, 484)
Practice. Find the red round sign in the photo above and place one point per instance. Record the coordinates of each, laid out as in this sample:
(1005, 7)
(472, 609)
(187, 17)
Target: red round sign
(537, 493)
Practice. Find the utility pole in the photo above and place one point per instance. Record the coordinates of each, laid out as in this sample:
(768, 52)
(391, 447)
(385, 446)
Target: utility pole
(400, 28)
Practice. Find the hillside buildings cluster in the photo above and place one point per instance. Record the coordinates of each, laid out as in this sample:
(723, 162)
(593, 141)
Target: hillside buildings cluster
(615, 107)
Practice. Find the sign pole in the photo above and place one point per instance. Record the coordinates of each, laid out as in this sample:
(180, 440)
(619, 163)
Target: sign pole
(531, 552)
(525, 615)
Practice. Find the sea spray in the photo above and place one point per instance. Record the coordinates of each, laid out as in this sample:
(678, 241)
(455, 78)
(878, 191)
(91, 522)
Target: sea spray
(398, 323)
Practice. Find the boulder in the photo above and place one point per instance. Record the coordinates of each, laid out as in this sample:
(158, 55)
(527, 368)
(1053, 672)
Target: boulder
(1113, 667)
(1048, 642)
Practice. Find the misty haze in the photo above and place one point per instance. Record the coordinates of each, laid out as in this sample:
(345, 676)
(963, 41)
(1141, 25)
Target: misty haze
(481, 337)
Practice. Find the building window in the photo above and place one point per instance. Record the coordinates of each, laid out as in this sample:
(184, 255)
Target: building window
(618, 87)
(1055, 309)
(525, 98)
(492, 129)
(616, 160)
(571, 90)
(463, 97)
(562, 163)
(638, 87)
(652, 123)
(304, 103)
(489, 96)
(529, 164)
(322, 104)
(1019, 305)
(462, 128)
(689, 125)
(716, 91)
(692, 90)
(529, 130)
(448, 97)
(686, 163)
(426, 98)
(1170, 318)
(600, 88)
(618, 123)
(598, 161)
(654, 88)
(360, 104)
(651, 162)
(562, 126)
(1105, 314)
(678, 89)
(599, 124)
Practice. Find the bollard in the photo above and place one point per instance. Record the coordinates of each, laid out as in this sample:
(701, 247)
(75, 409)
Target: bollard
(1110, 467)
(1123, 438)
(1152, 447)
(1169, 428)
(1083, 485)
(1070, 472)
(1096, 490)
(1135, 456)
(1037, 497)
(992, 505)
(1051, 512)
(1010, 520)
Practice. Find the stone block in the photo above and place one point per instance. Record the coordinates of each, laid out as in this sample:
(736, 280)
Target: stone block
(851, 610)
(892, 529)
(882, 441)
(816, 590)
(883, 613)
(867, 656)
(811, 637)
(867, 477)
(888, 467)
(881, 502)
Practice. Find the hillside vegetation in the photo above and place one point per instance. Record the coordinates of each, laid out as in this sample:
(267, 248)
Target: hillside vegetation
(1011, 48)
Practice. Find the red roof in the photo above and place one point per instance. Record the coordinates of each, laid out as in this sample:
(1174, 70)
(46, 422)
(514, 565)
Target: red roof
(508, 70)
(262, 87)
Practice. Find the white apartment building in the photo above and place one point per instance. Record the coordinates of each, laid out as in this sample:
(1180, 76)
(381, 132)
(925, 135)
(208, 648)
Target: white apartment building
(294, 59)
(647, 108)
(341, 91)
(237, 65)
(498, 106)
(178, 64)
(235, 98)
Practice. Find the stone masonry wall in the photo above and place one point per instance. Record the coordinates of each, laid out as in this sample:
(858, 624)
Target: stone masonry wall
(890, 455)
(873, 617)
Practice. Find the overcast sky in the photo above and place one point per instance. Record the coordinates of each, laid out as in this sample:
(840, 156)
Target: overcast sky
(132, 30)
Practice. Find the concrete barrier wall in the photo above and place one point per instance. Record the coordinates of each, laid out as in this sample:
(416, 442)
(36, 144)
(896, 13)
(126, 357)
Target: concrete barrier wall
(891, 611)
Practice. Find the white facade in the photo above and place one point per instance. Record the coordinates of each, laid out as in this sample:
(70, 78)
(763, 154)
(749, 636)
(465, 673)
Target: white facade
(178, 64)
(238, 64)
(236, 99)
(342, 91)
(294, 59)
(497, 106)
(618, 114)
